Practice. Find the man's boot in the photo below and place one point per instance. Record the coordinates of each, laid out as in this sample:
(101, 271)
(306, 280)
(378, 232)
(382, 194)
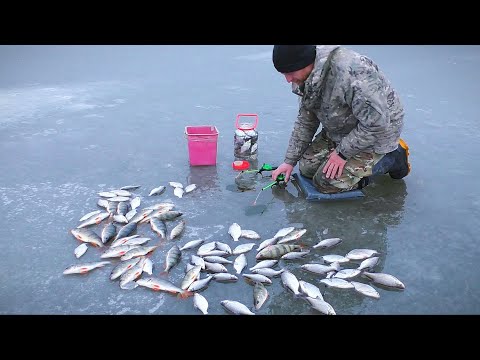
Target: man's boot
(401, 166)
(394, 163)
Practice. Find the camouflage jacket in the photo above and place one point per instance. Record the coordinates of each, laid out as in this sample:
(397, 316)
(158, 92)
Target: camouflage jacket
(352, 100)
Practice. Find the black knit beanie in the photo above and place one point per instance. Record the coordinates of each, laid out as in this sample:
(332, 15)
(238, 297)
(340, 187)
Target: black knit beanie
(289, 58)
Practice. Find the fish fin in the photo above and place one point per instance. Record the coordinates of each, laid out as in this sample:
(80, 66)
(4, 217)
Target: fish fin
(185, 294)
(302, 245)
(129, 286)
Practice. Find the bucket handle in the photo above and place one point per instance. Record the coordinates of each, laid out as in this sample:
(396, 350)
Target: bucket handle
(254, 125)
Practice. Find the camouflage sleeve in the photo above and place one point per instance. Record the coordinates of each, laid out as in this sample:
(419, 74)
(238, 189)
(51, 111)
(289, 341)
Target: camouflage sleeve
(369, 105)
(304, 129)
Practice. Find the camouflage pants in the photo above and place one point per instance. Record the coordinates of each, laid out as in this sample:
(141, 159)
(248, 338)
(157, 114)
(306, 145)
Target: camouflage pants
(315, 157)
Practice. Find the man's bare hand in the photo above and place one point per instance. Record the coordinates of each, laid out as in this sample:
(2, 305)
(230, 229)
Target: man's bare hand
(285, 169)
(334, 166)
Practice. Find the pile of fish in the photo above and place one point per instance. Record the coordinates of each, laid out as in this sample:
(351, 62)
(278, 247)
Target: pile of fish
(218, 261)
(245, 144)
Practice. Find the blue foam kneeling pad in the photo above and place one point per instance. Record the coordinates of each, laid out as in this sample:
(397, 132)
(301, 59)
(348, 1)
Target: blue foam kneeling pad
(312, 194)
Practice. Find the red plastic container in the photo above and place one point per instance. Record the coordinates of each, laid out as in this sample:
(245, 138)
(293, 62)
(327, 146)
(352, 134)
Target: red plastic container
(202, 144)
(240, 165)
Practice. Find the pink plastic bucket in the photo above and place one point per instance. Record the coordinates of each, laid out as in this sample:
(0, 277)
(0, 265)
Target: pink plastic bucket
(202, 144)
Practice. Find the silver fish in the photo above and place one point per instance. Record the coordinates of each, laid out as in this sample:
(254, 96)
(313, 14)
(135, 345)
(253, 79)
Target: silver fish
(246, 145)
(200, 284)
(327, 243)
(206, 247)
(190, 188)
(243, 248)
(235, 231)
(88, 236)
(319, 269)
(240, 263)
(130, 240)
(117, 251)
(135, 202)
(158, 284)
(160, 206)
(123, 240)
(249, 234)
(213, 253)
(130, 187)
(223, 247)
(147, 266)
(126, 230)
(188, 267)
(173, 257)
(122, 208)
(107, 194)
(321, 305)
(200, 303)
(81, 249)
(159, 227)
(335, 258)
(217, 259)
(295, 255)
(140, 216)
(168, 215)
(112, 207)
(347, 273)
(121, 192)
(361, 254)
(284, 232)
(337, 283)
(290, 282)
(264, 264)
(294, 235)
(175, 184)
(385, 280)
(276, 251)
(236, 307)
(130, 214)
(84, 268)
(268, 272)
(215, 267)
(365, 289)
(89, 215)
(132, 274)
(191, 244)
(224, 277)
(108, 232)
(159, 214)
(122, 267)
(94, 220)
(368, 264)
(157, 191)
(197, 260)
(178, 192)
(190, 277)
(310, 290)
(177, 230)
(121, 219)
(102, 203)
(119, 198)
(138, 251)
(266, 243)
(257, 277)
(260, 295)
